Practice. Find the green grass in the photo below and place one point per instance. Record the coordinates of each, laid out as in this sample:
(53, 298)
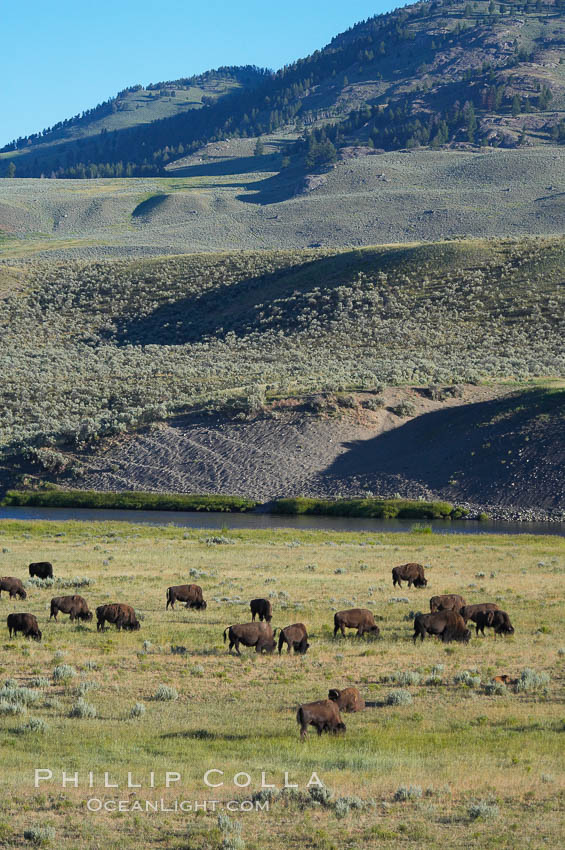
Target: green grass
(133, 501)
(461, 745)
(378, 508)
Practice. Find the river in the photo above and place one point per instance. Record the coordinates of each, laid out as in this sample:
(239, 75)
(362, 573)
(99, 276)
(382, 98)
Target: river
(212, 520)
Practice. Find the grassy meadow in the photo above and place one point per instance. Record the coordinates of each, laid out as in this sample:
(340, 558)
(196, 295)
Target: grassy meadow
(452, 764)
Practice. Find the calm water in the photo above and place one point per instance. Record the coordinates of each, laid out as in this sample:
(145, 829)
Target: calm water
(205, 519)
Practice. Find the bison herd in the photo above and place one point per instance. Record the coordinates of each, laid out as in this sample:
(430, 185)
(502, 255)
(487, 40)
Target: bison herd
(447, 620)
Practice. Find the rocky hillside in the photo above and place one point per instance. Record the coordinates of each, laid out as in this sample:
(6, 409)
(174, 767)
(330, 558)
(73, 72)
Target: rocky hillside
(437, 73)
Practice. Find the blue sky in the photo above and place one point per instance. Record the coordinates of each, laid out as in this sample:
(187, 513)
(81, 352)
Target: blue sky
(62, 57)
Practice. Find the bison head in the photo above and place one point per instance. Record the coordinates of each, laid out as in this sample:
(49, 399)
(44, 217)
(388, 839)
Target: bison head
(333, 694)
(86, 615)
(420, 582)
(36, 635)
(340, 728)
(22, 594)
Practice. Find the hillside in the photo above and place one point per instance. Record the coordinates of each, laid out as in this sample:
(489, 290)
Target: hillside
(92, 350)
(429, 74)
(231, 201)
(483, 447)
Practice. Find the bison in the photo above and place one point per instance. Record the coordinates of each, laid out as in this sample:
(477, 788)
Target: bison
(74, 605)
(123, 616)
(449, 625)
(262, 609)
(296, 637)
(469, 612)
(497, 620)
(412, 573)
(349, 699)
(259, 635)
(191, 594)
(447, 602)
(24, 623)
(323, 715)
(13, 586)
(41, 569)
(355, 618)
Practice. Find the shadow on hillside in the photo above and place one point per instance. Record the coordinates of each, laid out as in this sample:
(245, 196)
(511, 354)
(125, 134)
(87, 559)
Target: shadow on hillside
(492, 451)
(235, 308)
(227, 167)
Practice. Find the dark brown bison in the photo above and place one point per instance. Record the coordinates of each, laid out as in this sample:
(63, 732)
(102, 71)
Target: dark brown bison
(447, 602)
(296, 637)
(497, 620)
(123, 616)
(412, 573)
(355, 618)
(449, 625)
(41, 569)
(259, 635)
(191, 594)
(349, 699)
(74, 605)
(24, 623)
(323, 715)
(13, 586)
(469, 612)
(262, 609)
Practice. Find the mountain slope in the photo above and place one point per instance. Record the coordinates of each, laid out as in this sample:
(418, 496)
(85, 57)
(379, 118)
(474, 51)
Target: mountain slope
(432, 73)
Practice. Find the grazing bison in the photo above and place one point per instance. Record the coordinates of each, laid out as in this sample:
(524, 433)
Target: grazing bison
(74, 605)
(349, 699)
(24, 623)
(296, 637)
(191, 594)
(497, 620)
(469, 612)
(262, 609)
(445, 624)
(355, 618)
(323, 715)
(412, 573)
(13, 586)
(447, 602)
(259, 635)
(123, 616)
(41, 569)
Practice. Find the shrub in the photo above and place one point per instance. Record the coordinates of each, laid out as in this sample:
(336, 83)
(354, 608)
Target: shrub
(39, 682)
(63, 672)
(320, 794)
(400, 696)
(21, 696)
(40, 835)
(138, 710)
(164, 693)
(404, 409)
(85, 686)
(530, 680)
(11, 707)
(484, 810)
(407, 677)
(466, 677)
(34, 725)
(407, 792)
(495, 688)
(82, 708)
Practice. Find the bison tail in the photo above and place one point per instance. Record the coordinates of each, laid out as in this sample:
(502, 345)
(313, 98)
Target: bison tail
(225, 630)
(300, 716)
